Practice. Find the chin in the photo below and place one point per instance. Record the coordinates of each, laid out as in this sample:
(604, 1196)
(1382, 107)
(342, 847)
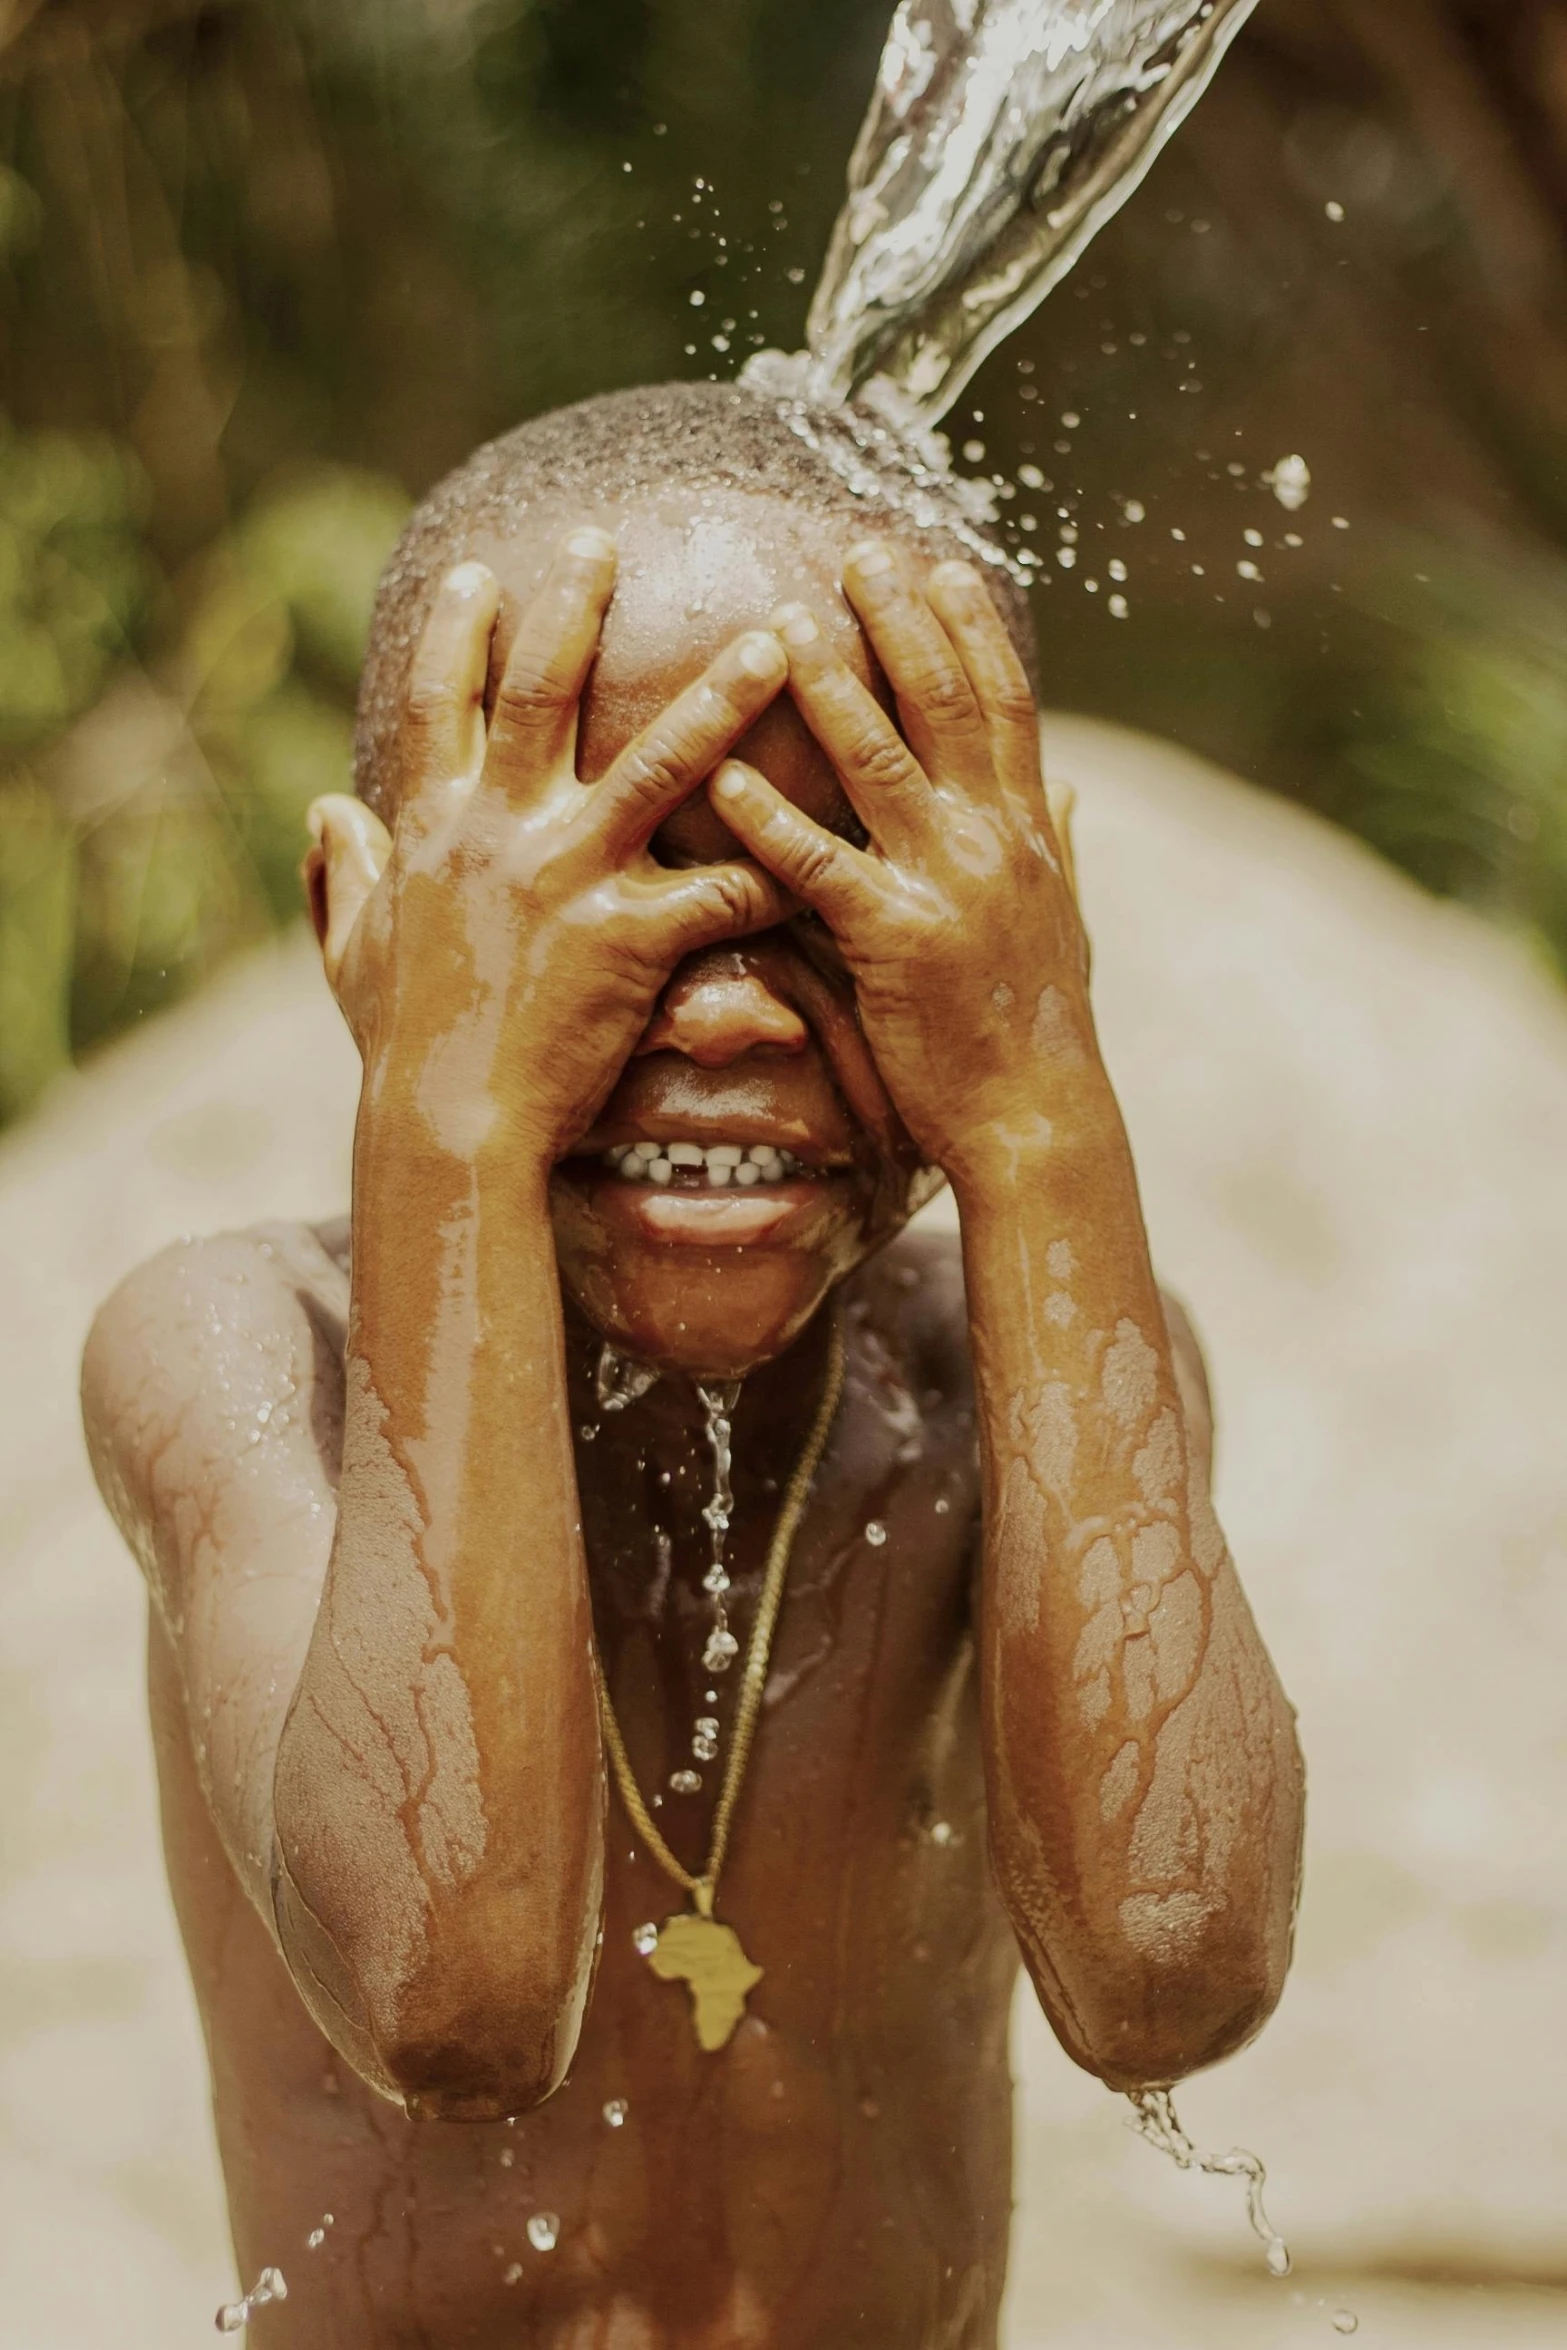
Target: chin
(714, 1287)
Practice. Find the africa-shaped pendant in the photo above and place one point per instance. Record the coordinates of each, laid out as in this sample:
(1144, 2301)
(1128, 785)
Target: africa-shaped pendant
(705, 1955)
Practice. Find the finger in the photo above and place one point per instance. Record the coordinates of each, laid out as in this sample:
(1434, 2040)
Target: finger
(350, 846)
(685, 742)
(819, 868)
(962, 603)
(710, 903)
(885, 783)
(936, 706)
(533, 726)
(443, 714)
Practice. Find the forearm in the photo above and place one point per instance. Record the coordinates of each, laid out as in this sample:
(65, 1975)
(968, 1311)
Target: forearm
(439, 1795)
(1145, 1784)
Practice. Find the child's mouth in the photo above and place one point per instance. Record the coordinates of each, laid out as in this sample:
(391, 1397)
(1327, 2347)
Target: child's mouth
(695, 1166)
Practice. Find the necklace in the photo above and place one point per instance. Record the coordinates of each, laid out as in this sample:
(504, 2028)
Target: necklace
(694, 1947)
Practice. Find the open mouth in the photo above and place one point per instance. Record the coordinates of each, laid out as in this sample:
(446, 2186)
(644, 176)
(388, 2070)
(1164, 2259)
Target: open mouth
(695, 1166)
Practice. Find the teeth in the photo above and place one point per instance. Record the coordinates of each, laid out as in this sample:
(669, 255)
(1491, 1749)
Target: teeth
(722, 1163)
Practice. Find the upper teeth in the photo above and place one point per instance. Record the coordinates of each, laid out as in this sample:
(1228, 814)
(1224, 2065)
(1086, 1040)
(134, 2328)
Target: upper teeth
(720, 1162)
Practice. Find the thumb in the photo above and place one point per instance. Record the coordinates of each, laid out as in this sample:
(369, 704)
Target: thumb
(348, 853)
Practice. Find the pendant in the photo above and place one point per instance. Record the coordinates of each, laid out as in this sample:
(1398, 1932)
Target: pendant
(705, 1954)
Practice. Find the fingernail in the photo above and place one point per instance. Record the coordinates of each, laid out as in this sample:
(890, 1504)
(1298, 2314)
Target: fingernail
(799, 628)
(758, 655)
(870, 559)
(468, 579)
(956, 573)
(590, 542)
(728, 782)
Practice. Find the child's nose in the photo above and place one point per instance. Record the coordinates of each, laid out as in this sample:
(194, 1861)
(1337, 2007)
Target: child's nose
(714, 1010)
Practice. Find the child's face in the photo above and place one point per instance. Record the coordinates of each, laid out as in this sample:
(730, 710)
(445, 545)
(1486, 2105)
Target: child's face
(754, 1048)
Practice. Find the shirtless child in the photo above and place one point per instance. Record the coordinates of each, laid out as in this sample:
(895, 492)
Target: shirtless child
(716, 823)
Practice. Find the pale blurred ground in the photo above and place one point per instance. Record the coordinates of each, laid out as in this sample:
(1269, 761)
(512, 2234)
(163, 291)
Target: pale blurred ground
(1350, 1112)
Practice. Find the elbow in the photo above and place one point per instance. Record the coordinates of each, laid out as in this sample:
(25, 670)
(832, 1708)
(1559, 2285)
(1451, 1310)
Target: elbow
(1155, 2016)
(464, 2018)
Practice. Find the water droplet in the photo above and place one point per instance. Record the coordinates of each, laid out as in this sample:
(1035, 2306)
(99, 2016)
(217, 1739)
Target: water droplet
(1345, 2322)
(685, 1782)
(1334, 211)
(645, 1940)
(234, 2316)
(941, 1832)
(508, 2156)
(1134, 509)
(1278, 2258)
(942, 1506)
(615, 2112)
(315, 2239)
(974, 451)
(875, 1534)
(544, 2230)
(513, 2275)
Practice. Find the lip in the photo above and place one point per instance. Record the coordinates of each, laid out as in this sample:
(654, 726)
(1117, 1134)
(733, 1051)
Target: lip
(776, 1213)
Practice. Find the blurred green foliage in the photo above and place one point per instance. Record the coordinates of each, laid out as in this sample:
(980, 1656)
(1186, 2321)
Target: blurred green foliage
(268, 267)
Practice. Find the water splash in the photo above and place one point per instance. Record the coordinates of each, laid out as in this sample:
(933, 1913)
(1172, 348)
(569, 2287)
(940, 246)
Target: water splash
(718, 1403)
(619, 1380)
(234, 2316)
(1002, 135)
(1154, 2117)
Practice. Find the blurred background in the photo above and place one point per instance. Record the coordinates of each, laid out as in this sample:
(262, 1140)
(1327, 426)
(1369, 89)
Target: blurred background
(268, 267)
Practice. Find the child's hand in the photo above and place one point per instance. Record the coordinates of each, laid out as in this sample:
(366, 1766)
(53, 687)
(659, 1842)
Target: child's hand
(499, 956)
(959, 922)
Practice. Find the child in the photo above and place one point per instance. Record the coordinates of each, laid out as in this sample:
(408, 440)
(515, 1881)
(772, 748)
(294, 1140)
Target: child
(604, 1803)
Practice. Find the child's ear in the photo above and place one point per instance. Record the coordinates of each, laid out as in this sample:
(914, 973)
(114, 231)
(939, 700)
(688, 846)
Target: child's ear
(348, 853)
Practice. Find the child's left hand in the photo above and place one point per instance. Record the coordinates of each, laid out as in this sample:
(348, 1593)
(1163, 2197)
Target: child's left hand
(958, 922)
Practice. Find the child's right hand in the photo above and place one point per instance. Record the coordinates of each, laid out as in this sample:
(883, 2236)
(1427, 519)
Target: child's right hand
(499, 955)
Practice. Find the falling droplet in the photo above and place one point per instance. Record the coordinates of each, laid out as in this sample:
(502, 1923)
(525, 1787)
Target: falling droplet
(645, 1940)
(544, 2230)
(1345, 2322)
(685, 1782)
(1278, 2258)
(875, 1534)
(234, 2316)
(615, 2112)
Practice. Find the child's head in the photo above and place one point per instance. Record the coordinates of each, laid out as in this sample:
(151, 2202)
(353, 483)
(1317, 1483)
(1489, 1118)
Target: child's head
(721, 511)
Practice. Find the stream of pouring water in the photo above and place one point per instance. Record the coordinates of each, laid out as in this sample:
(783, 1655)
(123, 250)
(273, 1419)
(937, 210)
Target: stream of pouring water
(1002, 135)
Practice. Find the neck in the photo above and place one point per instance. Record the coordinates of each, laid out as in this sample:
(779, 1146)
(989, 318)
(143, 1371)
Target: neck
(667, 1426)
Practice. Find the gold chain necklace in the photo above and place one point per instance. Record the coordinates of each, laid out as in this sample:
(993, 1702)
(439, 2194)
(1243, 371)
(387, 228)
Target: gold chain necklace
(693, 1946)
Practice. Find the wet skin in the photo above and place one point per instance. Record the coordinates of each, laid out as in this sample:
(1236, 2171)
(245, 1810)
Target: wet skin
(387, 1527)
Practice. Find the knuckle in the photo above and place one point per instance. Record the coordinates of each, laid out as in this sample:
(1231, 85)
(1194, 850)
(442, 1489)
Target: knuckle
(529, 691)
(944, 695)
(656, 771)
(881, 760)
(430, 704)
(1013, 702)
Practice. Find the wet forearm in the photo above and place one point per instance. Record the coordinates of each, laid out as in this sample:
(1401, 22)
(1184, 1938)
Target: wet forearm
(439, 1788)
(1145, 1788)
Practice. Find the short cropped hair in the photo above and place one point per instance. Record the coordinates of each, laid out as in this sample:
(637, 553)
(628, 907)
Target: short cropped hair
(630, 444)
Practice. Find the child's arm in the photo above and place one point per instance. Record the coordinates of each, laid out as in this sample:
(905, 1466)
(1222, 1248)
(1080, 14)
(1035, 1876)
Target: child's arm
(1143, 1779)
(431, 1809)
